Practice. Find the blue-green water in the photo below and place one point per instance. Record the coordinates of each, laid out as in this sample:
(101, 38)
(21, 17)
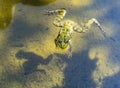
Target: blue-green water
(30, 59)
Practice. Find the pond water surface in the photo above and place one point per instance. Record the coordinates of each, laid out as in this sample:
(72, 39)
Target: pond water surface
(30, 59)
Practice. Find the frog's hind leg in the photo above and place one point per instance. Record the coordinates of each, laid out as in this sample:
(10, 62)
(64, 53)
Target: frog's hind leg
(69, 50)
(60, 15)
(90, 22)
(83, 28)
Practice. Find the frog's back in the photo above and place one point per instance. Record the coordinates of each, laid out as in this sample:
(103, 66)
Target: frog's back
(62, 40)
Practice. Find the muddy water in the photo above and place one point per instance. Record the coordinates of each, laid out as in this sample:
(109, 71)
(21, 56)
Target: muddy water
(7, 8)
(30, 59)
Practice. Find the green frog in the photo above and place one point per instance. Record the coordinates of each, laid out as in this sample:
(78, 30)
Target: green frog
(63, 38)
(68, 26)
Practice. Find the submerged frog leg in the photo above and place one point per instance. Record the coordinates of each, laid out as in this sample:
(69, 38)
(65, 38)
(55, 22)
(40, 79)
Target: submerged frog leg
(86, 26)
(77, 28)
(60, 15)
(69, 50)
(90, 22)
(69, 46)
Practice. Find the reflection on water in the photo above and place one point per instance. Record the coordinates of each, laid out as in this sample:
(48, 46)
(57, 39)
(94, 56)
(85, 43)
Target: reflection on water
(6, 9)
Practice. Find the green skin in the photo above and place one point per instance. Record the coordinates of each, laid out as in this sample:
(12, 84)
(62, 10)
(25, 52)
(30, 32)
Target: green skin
(63, 38)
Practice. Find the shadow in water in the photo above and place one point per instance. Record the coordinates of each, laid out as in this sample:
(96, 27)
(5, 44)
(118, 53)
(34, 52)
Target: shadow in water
(7, 5)
(78, 73)
(111, 81)
(32, 62)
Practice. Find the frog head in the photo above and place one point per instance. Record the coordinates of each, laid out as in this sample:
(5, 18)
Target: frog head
(62, 40)
(61, 44)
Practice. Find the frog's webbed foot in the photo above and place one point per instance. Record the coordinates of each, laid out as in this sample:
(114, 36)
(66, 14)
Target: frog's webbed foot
(55, 12)
(60, 15)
